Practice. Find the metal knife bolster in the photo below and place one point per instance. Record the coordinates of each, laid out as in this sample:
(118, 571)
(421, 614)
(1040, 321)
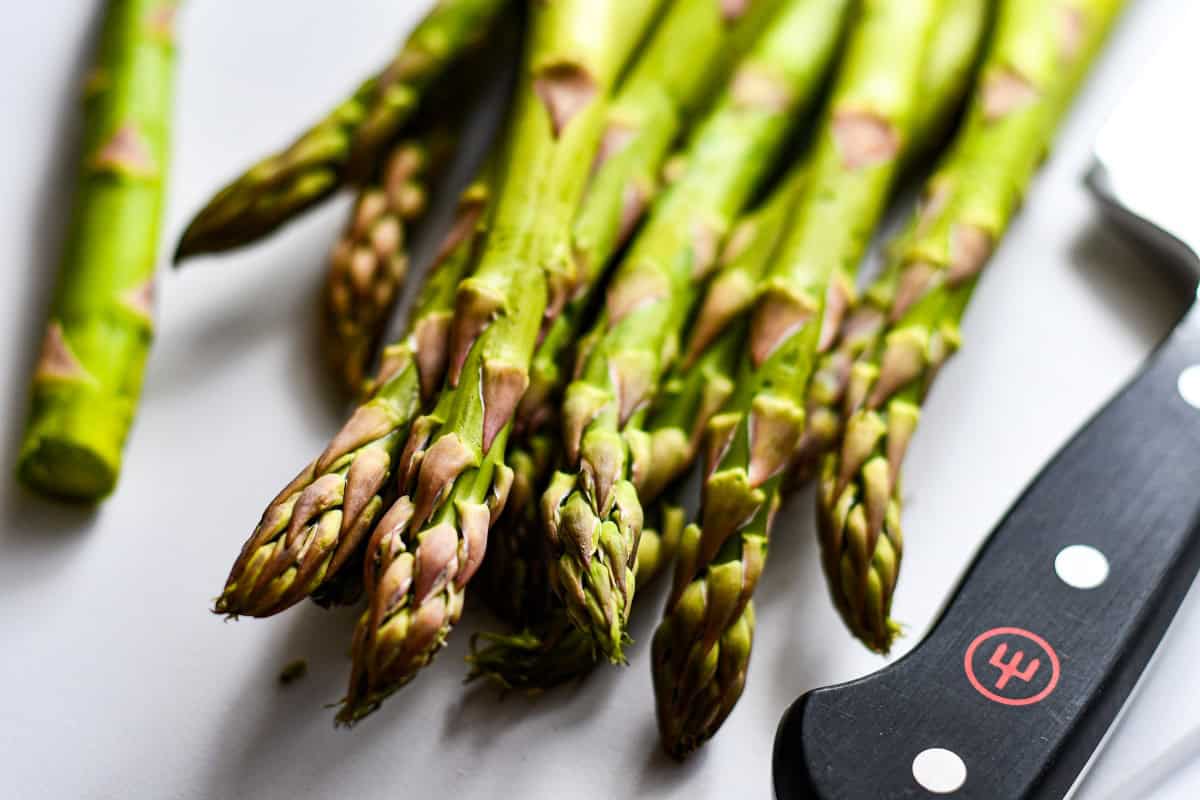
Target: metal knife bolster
(1023, 673)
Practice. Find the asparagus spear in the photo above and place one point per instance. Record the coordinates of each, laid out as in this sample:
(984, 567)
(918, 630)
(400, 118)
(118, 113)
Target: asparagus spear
(345, 145)
(88, 378)
(369, 263)
(702, 646)
(661, 95)
(1039, 56)
(549, 651)
(312, 530)
(592, 513)
(954, 53)
(452, 469)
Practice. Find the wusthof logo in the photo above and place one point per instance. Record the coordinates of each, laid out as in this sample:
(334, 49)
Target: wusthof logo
(1012, 666)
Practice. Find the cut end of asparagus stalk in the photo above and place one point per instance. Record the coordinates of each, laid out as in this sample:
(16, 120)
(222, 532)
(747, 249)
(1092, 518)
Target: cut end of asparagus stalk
(67, 469)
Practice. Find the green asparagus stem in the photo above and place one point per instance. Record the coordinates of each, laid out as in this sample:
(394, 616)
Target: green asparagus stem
(954, 53)
(593, 514)
(550, 651)
(697, 679)
(370, 261)
(88, 378)
(313, 529)
(344, 146)
(662, 94)
(1040, 55)
(452, 470)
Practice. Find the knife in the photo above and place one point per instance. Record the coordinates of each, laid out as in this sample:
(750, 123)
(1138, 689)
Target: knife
(1012, 691)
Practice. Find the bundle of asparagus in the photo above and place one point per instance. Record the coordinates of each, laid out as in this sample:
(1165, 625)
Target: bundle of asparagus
(641, 129)
(708, 241)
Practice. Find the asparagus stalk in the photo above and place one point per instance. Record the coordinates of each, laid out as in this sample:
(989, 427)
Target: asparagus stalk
(593, 513)
(1039, 57)
(661, 95)
(369, 262)
(313, 529)
(954, 53)
(702, 646)
(344, 146)
(549, 651)
(88, 378)
(452, 470)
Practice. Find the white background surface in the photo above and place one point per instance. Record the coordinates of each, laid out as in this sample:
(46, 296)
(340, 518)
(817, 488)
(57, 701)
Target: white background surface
(118, 683)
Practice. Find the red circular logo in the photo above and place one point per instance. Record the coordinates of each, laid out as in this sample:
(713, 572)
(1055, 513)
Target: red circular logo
(1012, 666)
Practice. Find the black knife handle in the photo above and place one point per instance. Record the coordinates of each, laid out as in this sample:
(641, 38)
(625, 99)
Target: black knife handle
(1022, 674)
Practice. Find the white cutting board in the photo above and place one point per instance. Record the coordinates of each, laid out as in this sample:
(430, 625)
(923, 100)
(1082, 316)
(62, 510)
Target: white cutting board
(118, 683)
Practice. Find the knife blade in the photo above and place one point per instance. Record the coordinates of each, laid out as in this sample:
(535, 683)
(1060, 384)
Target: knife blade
(1041, 644)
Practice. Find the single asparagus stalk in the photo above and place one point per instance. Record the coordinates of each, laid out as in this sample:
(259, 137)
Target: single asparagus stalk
(662, 94)
(369, 263)
(549, 651)
(593, 514)
(697, 682)
(954, 52)
(344, 146)
(1039, 57)
(88, 378)
(452, 470)
(315, 527)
